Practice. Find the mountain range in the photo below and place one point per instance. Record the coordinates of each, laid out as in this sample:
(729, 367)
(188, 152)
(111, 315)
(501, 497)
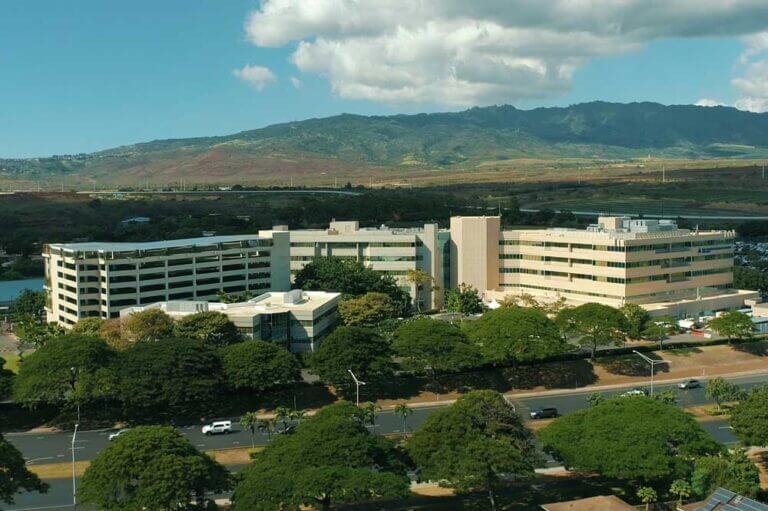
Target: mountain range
(353, 145)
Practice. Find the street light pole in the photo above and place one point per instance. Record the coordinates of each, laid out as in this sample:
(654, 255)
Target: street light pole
(357, 386)
(653, 364)
(74, 480)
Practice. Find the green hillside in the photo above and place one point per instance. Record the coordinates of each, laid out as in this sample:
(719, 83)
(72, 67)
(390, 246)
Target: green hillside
(595, 130)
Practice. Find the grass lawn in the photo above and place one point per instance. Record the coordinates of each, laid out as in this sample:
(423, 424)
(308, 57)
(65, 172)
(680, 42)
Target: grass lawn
(11, 361)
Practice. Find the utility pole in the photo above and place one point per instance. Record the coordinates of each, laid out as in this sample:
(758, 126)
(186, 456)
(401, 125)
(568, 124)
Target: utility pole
(357, 386)
(74, 477)
(653, 364)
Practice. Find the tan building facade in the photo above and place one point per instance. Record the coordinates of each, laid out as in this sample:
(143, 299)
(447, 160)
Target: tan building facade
(391, 251)
(616, 261)
(99, 279)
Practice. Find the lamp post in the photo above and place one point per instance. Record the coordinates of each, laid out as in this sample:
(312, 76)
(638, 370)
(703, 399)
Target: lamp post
(74, 479)
(357, 386)
(653, 364)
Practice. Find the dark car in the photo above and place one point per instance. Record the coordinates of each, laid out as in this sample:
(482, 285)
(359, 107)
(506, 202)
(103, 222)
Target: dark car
(544, 413)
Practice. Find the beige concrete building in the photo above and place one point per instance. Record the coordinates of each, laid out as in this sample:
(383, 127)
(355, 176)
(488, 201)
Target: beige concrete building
(299, 319)
(387, 250)
(99, 279)
(616, 261)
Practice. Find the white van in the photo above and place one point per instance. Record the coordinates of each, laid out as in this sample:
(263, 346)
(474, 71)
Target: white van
(218, 427)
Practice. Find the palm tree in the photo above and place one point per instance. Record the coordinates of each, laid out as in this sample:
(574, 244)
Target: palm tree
(403, 411)
(283, 414)
(298, 415)
(249, 421)
(682, 489)
(266, 426)
(370, 412)
(647, 496)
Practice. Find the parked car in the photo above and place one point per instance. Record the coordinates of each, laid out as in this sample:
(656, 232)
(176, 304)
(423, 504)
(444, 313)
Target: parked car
(690, 384)
(116, 434)
(217, 428)
(635, 392)
(544, 413)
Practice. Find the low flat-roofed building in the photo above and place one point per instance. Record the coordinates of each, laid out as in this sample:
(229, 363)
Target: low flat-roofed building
(300, 319)
(99, 279)
(601, 503)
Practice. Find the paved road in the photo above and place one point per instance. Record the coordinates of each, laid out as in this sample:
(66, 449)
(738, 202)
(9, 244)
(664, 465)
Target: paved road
(55, 447)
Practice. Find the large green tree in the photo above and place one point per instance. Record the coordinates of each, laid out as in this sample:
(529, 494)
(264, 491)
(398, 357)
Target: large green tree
(14, 475)
(213, 328)
(351, 278)
(258, 365)
(331, 458)
(722, 391)
(635, 439)
(734, 471)
(465, 300)
(636, 319)
(352, 348)
(749, 419)
(471, 444)
(659, 328)
(733, 325)
(594, 325)
(88, 326)
(436, 346)
(169, 378)
(152, 467)
(67, 370)
(515, 334)
(368, 309)
(29, 303)
(148, 325)
(6, 380)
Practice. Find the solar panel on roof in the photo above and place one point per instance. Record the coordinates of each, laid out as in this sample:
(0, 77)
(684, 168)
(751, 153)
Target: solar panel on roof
(726, 500)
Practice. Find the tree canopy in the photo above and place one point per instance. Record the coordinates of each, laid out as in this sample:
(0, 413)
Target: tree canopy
(636, 319)
(169, 378)
(6, 380)
(258, 365)
(14, 475)
(351, 278)
(436, 346)
(66, 369)
(733, 325)
(516, 334)
(151, 467)
(368, 309)
(635, 439)
(734, 471)
(330, 458)
(148, 325)
(594, 325)
(471, 443)
(90, 327)
(749, 419)
(29, 303)
(213, 328)
(352, 348)
(722, 390)
(464, 300)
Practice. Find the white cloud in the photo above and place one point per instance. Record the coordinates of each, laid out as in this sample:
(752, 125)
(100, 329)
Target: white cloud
(297, 84)
(461, 52)
(709, 102)
(752, 82)
(257, 77)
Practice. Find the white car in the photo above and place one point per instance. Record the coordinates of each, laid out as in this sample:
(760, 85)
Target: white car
(217, 428)
(116, 434)
(635, 392)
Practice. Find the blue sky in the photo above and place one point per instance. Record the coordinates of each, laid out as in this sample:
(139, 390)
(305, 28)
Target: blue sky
(83, 75)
